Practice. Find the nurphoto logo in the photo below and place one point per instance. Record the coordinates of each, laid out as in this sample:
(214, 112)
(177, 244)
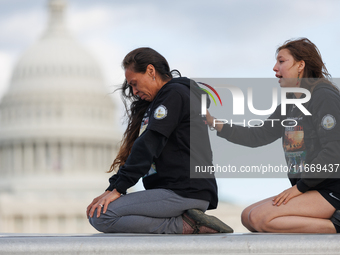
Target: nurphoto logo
(239, 104)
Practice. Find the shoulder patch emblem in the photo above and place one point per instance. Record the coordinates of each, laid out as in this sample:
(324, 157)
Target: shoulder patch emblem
(161, 112)
(328, 122)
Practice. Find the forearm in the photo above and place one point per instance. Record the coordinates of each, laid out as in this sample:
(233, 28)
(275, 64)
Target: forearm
(146, 147)
(255, 136)
(250, 137)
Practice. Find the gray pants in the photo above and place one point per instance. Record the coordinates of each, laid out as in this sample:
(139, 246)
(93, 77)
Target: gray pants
(156, 211)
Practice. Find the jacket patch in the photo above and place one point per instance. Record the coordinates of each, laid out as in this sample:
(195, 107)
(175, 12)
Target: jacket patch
(328, 122)
(161, 112)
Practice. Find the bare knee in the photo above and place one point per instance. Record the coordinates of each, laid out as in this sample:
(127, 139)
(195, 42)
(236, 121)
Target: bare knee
(262, 221)
(259, 221)
(244, 217)
(253, 220)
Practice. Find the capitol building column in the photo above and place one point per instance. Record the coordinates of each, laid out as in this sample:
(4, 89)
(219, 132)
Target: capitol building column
(28, 158)
(18, 163)
(40, 163)
(67, 157)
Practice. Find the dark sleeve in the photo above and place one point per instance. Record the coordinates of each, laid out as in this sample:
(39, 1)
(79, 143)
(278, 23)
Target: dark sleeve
(270, 131)
(172, 106)
(326, 106)
(147, 146)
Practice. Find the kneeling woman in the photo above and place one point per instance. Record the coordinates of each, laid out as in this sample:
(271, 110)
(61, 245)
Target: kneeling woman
(310, 205)
(157, 147)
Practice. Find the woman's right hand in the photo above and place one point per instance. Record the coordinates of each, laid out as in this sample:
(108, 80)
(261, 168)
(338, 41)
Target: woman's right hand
(210, 119)
(95, 201)
(102, 202)
(286, 195)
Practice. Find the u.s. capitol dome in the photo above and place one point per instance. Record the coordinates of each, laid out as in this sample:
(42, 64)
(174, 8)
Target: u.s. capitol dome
(58, 134)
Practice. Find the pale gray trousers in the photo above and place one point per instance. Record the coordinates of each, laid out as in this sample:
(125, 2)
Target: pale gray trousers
(155, 211)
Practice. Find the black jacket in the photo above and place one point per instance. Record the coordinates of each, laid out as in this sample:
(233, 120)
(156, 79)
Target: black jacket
(168, 143)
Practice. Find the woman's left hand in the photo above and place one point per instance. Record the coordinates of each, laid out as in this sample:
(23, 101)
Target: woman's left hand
(286, 195)
(104, 202)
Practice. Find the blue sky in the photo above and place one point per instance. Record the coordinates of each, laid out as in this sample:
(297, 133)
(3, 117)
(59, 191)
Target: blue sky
(217, 38)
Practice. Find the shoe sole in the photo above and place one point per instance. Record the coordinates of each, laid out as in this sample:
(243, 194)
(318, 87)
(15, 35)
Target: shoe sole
(209, 221)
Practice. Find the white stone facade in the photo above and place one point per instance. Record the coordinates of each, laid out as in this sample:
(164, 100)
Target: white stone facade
(58, 135)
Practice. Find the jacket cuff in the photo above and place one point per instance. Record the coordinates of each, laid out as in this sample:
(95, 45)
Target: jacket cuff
(121, 188)
(301, 186)
(225, 131)
(111, 187)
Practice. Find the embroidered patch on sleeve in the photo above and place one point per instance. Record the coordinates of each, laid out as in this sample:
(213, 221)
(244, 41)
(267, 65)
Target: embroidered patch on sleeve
(160, 113)
(328, 122)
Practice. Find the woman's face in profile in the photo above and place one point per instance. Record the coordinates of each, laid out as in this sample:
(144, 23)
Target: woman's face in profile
(142, 84)
(286, 69)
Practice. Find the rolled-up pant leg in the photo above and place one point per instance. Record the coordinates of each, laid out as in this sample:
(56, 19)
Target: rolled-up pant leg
(155, 211)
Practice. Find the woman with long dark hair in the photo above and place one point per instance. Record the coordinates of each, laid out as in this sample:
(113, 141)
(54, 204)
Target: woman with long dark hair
(156, 147)
(311, 145)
